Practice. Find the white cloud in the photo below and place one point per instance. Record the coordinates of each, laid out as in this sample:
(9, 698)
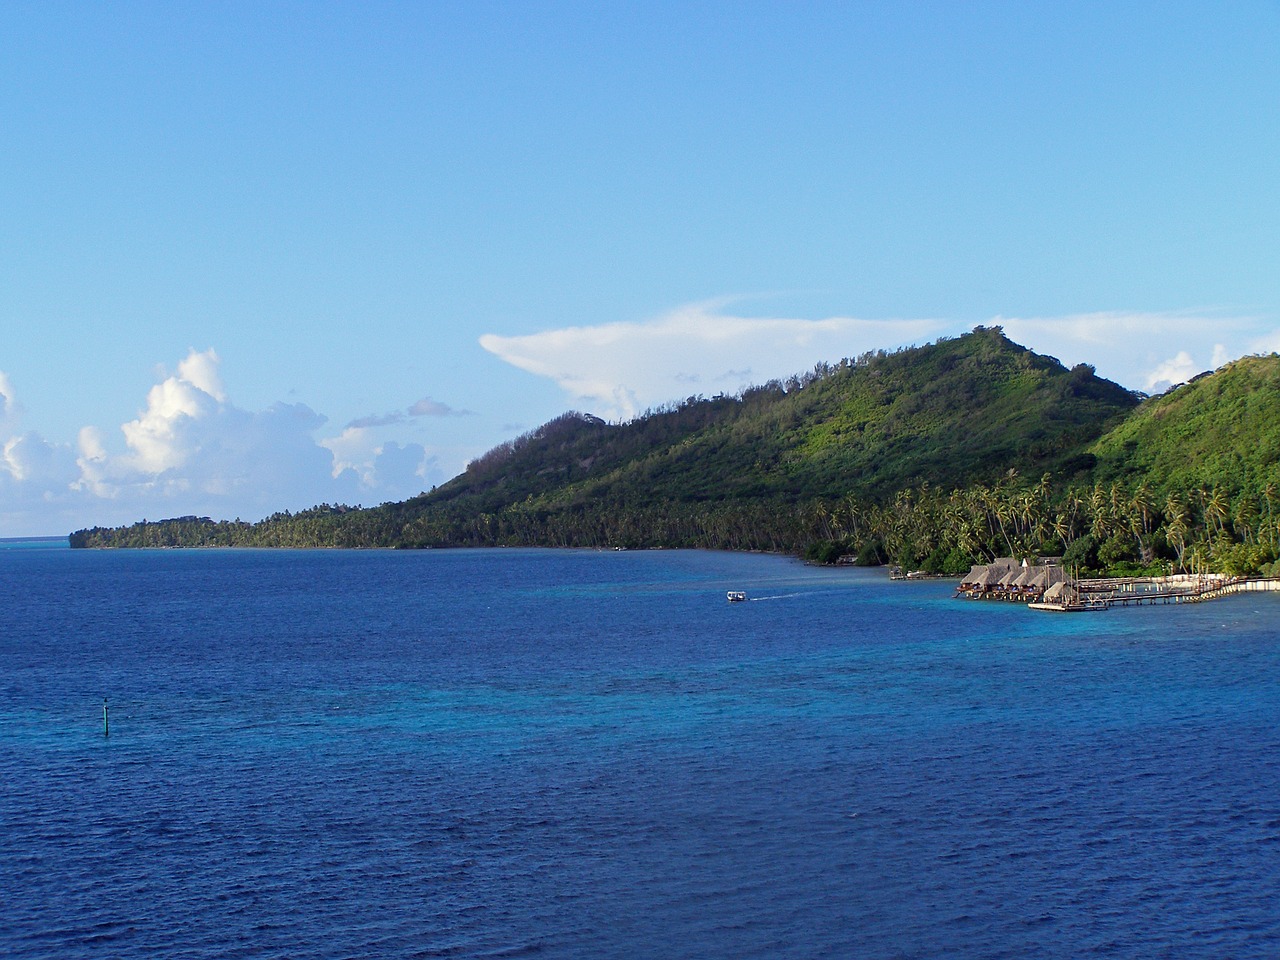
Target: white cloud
(383, 466)
(354, 449)
(191, 450)
(1178, 369)
(27, 458)
(426, 407)
(1268, 342)
(409, 468)
(1146, 350)
(163, 435)
(36, 476)
(8, 406)
(201, 371)
(91, 445)
(617, 369)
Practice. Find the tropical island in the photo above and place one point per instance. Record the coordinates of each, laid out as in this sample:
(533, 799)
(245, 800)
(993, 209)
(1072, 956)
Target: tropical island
(931, 458)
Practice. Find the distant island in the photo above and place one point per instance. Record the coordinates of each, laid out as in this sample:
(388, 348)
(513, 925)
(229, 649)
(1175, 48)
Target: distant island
(930, 458)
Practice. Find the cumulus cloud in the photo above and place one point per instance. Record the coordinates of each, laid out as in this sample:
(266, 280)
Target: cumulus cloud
(1177, 369)
(382, 466)
(200, 370)
(25, 457)
(165, 434)
(8, 406)
(354, 450)
(617, 369)
(36, 476)
(191, 446)
(191, 450)
(30, 459)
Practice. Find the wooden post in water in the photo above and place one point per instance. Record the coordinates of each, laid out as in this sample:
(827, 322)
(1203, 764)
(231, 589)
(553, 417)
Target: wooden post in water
(106, 725)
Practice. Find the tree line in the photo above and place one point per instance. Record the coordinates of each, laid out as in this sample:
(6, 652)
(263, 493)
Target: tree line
(1119, 528)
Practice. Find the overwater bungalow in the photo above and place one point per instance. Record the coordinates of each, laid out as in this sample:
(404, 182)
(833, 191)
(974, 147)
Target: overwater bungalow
(1006, 578)
(1064, 591)
(1066, 596)
(985, 576)
(1008, 585)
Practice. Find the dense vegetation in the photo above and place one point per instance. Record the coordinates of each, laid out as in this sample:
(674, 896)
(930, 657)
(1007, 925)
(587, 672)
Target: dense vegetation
(932, 457)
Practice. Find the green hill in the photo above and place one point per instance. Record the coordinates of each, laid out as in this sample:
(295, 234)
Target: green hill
(765, 469)
(949, 414)
(1220, 430)
(932, 457)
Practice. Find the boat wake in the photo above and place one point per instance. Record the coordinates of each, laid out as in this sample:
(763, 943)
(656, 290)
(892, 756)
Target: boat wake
(780, 596)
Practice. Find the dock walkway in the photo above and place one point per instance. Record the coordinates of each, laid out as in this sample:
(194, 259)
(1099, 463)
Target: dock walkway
(1125, 592)
(1046, 586)
(1243, 585)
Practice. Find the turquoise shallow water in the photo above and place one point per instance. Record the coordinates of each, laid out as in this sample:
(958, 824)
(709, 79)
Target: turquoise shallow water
(581, 754)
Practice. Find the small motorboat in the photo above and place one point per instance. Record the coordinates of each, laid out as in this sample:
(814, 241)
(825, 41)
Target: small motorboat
(736, 596)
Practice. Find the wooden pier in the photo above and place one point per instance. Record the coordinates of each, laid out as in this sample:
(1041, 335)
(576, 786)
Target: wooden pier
(1243, 585)
(1043, 584)
(1127, 591)
(1059, 592)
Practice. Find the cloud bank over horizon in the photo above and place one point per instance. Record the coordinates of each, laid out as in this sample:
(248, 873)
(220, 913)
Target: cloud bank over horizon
(618, 369)
(192, 451)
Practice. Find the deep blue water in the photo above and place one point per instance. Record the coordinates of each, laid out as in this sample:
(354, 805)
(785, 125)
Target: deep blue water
(590, 755)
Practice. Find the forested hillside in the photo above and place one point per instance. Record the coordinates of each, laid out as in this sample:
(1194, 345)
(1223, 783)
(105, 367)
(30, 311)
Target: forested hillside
(1218, 431)
(949, 414)
(932, 457)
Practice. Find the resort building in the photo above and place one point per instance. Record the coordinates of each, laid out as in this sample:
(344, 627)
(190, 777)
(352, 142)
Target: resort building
(1007, 578)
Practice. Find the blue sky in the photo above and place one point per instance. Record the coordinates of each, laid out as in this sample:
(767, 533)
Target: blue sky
(255, 256)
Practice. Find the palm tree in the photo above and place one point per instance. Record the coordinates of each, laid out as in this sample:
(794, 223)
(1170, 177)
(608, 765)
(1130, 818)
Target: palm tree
(1215, 511)
(1028, 514)
(1245, 520)
(1100, 519)
(1141, 520)
(1061, 528)
(1270, 495)
(1177, 525)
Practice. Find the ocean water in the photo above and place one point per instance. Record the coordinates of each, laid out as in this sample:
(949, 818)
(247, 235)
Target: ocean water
(325, 754)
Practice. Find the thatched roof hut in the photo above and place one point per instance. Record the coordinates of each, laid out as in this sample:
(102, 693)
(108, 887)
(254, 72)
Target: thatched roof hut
(1045, 577)
(987, 579)
(1063, 591)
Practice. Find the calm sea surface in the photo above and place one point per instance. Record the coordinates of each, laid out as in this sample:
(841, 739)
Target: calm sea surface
(592, 755)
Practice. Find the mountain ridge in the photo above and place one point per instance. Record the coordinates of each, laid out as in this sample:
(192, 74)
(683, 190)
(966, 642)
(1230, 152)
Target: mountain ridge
(843, 459)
